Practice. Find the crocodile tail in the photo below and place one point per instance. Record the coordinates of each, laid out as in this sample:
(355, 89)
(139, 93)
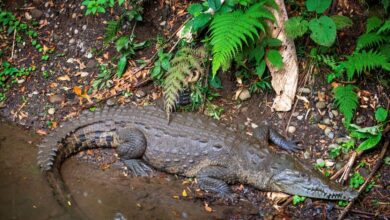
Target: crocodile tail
(63, 196)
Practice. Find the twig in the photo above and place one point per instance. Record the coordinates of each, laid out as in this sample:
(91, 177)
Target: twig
(13, 45)
(349, 166)
(376, 167)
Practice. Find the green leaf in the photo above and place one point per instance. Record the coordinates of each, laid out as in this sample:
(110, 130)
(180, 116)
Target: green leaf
(296, 27)
(121, 43)
(214, 4)
(195, 9)
(215, 82)
(260, 69)
(373, 23)
(275, 58)
(374, 130)
(381, 114)
(121, 66)
(318, 6)
(323, 31)
(274, 42)
(356, 180)
(371, 142)
(200, 21)
(120, 2)
(341, 21)
(297, 199)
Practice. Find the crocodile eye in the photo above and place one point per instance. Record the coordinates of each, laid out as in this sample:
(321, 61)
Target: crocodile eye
(217, 147)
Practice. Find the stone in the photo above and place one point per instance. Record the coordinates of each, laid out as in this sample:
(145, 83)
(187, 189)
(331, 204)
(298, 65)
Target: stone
(140, 94)
(321, 105)
(36, 13)
(56, 99)
(306, 155)
(91, 64)
(244, 95)
(110, 102)
(300, 117)
(291, 129)
(335, 113)
(315, 118)
(327, 121)
(84, 27)
(360, 119)
(72, 41)
(304, 90)
(328, 132)
(51, 111)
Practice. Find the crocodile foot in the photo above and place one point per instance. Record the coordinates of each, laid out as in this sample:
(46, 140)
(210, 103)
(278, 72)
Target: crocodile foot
(138, 167)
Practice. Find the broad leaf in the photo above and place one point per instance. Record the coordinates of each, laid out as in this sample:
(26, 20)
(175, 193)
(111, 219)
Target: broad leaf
(381, 114)
(121, 43)
(373, 23)
(296, 27)
(318, 6)
(374, 130)
(341, 21)
(214, 4)
(195, 9)
(323, 31)
(371, 142)
(121, 66)
(275, 58)
(200, 21)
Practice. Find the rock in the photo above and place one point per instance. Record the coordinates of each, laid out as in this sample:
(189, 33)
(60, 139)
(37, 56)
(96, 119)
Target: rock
(110, 102)
(91, 64)
(335, 113)
(291, 129)
(56, 99)
(304, 90)
(76, 31)
(360, 119)
(244, 95)
(36, 13)
(51, 111)
(300, 117)
(84, 27)
(72, 41)
(163, 23)
(321, 105)
(139, 94)
(326, 121)
(328, 132)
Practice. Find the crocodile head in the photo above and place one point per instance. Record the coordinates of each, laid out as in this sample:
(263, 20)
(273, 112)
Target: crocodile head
(297, 178)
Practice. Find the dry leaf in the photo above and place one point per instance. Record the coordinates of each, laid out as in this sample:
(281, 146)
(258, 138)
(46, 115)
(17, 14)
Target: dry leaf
(323, 127)
(64, 78)
(106, 56)
(207, 207)
(41, 132)
(184, 193)
(77, 90)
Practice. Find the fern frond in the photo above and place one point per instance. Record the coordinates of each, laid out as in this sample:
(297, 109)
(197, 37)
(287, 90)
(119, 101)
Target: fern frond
(370, 40)
(328, 60)
(347, 101)
(364, 61)
(373, 23)
(230, 31)
(183, 64)
(385, 27)
(111, 30)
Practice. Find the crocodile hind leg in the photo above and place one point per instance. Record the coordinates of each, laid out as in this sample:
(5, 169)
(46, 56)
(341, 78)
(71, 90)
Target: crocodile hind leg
(131, 149)
(263, 133)
(210, 179)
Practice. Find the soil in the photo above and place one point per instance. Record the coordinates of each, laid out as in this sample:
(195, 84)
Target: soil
(40, 104)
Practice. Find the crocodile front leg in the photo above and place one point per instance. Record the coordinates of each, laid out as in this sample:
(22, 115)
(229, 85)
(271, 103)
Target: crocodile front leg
(131, 149)
(212, 179)
(263, 133)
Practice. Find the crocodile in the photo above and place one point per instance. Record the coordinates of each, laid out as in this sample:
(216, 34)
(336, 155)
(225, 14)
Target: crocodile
(190, 145)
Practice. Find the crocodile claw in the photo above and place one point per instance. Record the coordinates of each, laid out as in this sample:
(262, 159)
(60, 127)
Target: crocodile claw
(138, 167)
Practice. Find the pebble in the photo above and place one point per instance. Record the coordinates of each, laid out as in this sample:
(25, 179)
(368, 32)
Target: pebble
(163, 23)
(326, 121)
(320, 161)
(295, 114)
(84, 27)
(36, 13)
(76, 31)
(72, 41)
(332, 146)
(291, 129)
(56, 99)
(306, 155)
(244, 95)
(91, 64)
(342, 140)
(304, 90)
(315, 118)
(300, 117)
(140, 94)
(84, 74)
(321, 105)
(119, 216)
(110, 102)
(89, 55)
(335, 113)
(360, 119)
(328, 132)
(51, 111)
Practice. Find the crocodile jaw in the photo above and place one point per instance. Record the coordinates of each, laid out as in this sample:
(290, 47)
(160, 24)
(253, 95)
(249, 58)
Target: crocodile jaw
(310, 185)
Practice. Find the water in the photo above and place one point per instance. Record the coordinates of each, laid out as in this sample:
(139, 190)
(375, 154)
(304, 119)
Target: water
(100, 194)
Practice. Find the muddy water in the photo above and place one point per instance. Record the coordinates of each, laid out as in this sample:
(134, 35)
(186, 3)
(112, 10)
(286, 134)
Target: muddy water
(24, 193)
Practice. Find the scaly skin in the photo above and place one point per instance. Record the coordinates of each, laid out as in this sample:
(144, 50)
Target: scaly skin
(190, 145)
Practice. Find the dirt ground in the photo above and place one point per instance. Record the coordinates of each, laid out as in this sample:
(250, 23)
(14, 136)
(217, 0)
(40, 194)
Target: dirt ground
(40, 103)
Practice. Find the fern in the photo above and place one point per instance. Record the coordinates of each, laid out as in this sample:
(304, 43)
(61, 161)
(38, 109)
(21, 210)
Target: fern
(185, 62)
(230, 31)
(328, 60)
(370, 40)
(385, 27)
(364, 61)
(347, 101)
(111, 30)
